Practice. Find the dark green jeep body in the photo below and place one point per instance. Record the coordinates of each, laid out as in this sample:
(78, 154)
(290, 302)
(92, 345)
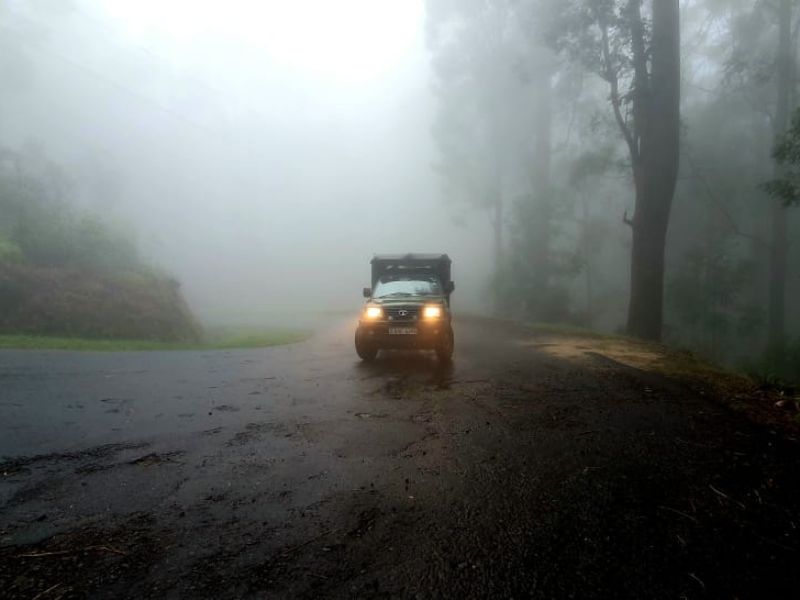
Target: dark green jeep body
(408, 306)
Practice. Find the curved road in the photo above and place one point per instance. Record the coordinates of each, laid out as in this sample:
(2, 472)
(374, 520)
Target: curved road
(300, 472)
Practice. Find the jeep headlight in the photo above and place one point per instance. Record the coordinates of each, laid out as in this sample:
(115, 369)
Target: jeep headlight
(432, 312)
(373, 312)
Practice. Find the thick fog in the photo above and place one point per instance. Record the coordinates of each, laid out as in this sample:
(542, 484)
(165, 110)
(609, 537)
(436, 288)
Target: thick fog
(260, 151)
(607, 165)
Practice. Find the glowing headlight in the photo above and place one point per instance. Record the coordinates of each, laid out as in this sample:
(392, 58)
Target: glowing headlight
(373, 312)
(432, 312)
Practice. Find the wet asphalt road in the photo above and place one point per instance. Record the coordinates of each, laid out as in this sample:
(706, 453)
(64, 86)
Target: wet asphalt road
(300, 472)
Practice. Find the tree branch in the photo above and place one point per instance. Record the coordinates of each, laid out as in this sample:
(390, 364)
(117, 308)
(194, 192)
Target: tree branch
(626, 219)
(641, 77)
(613, 82)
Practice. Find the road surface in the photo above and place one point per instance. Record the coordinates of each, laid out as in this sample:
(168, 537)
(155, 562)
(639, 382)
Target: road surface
(298, 471)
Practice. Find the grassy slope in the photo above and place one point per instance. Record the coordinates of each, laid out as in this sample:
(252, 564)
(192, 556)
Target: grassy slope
(222, 339)
(94, 304)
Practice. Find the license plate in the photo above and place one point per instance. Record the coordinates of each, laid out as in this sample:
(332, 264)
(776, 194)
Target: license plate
(402, 330)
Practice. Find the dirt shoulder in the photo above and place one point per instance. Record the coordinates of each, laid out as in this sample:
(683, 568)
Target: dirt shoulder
(769, 406)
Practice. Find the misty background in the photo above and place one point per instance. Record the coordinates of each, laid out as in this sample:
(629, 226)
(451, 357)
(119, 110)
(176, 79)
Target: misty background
(261, 152)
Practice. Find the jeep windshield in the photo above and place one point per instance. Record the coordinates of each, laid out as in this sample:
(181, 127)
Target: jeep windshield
(397, 287)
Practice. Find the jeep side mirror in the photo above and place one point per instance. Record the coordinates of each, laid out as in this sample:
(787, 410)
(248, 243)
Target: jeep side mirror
(367, 292)
(451, 287)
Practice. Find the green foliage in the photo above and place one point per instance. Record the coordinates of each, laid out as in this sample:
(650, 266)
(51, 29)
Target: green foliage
(533, 279)
(574, 29)
(705, 301)
(593, 163)
(9, 250)
(65, 272)
(778, 367)
(518, 295)
(76, 302)
(227, 340)
(47, 230)
(479, 56)
(787, 154)
(584, 30)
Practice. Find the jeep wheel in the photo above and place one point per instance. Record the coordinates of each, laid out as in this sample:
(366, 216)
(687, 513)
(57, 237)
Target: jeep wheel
(444, 347)
(366, 351)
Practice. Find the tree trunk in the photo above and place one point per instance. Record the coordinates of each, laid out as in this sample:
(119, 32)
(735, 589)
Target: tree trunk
(587, 259)
(542, 159)
(656, 172)
(497, 226)
(759, 248)
(497, 191)
(778, 245)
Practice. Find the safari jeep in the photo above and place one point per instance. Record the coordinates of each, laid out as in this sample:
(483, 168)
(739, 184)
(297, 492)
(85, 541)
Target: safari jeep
(408, 306)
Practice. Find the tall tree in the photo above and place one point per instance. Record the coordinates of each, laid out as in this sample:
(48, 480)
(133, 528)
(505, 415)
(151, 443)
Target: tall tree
(655, 159)
(640, 61)
(778, 247)
(482, 77)
(541, 180)
(762, 65)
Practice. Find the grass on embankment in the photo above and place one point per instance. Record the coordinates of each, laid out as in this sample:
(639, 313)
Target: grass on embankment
(215, 339)
(775, 407)
(654, 357)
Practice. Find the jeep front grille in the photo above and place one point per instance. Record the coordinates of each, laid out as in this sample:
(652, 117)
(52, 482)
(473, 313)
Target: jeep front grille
(402, 313)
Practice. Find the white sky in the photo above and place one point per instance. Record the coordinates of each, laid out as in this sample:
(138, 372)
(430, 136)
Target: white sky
(346, 40)
(249, 130)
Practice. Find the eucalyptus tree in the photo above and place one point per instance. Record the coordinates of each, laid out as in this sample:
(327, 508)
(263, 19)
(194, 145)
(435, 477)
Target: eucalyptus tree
(787, 154)
(785, 84)
(637, 53)
(762, 67)
(482, 80)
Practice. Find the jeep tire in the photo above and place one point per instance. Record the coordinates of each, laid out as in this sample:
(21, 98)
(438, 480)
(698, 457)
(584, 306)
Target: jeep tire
(445, 346)
(365, 350)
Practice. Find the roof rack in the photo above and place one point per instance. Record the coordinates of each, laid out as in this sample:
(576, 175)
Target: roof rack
(433, 264)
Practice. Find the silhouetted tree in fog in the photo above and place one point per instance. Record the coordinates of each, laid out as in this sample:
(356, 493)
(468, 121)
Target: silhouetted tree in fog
(639, 58)
(476, 50)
